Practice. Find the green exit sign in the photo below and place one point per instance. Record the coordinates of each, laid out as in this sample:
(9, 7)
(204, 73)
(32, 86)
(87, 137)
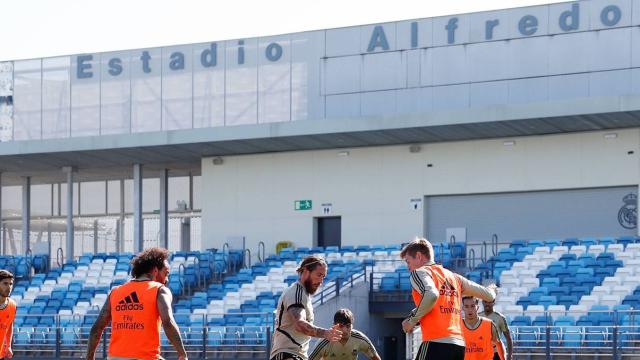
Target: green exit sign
(302, 204)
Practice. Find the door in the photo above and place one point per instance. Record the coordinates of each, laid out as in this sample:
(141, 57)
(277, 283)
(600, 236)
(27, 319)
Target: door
(329, 231)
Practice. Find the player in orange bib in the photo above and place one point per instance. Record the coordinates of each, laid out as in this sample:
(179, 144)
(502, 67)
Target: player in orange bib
(7, 314)
(480, 334)
(136, 311)
(437, 294)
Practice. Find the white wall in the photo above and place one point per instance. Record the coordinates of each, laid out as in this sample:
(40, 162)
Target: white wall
(370, 189)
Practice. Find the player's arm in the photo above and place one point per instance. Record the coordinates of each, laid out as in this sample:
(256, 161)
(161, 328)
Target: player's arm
(470, 288)
(297, 312)
(495, 338)
(320, 351)
(98, 327)
(168, 322)
(507, 336)
(423, 284)
(8, 352)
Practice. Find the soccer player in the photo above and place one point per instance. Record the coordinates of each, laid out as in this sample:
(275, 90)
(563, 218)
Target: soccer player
(352, 342)
(437, 293)
(480, 333)
(136, 310)
(501, 324)
(294, 314)
(7, 314)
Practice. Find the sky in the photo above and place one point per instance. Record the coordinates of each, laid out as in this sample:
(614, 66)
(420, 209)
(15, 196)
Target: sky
(43, 28)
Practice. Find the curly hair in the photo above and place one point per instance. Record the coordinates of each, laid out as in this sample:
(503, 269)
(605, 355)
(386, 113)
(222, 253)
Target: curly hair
(144, 262)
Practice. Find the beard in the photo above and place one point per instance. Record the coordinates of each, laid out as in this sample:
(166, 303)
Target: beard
(309, 287)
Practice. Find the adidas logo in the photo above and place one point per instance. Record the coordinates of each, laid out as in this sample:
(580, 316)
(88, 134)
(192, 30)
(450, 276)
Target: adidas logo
(447, 289)
(130, 302)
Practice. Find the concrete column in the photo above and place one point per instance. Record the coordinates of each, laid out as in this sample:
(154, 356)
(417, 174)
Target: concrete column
(26, 213)
(190, 191)
(164, 208)
(3, 246)
(68, 252)
(138, 225)
(120, 237)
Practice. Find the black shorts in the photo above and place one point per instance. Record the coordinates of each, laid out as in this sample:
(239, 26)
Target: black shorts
(440, 351)
(496, 356)
(286, 356)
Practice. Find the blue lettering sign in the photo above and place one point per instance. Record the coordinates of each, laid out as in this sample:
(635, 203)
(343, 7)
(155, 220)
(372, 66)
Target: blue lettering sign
(378, 39)
(82, 69)
(610, 15)
(573, 15)
(115, 66)
(451, 28)
(209, 57)
(414, 34)
(177, 61)
(528, 25)
(145, 62)
(240, 52)
(488, 31)
(273, 52)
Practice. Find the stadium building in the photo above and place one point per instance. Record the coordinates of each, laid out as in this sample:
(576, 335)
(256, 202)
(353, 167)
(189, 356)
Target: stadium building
(475, 129)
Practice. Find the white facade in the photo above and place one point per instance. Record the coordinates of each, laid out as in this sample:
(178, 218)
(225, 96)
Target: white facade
(371, 188)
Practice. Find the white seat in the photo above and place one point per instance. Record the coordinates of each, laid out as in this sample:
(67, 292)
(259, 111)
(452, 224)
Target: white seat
(625, 271)
(231, 304)
(506, 300)
(632, 281)
(530, 282)
(589, 300)
(263, 286)
(517, 267)
(513, 310)
(635, 247)
(232, 295)
(365, 255)
(277, 288)
(276, 270)
(216, 304)
(601, 290)
(248, 287)
(535, 310)
(276, 278)
(578, 250)
(510, 282)
(349, 256)
(529, 273)
(625, 256)
(622, 290)
(518, 292)
(550, 257)
(508, 274)
(615, 248)
(596, 249)
(556, 311)
(610, 300)
(633, 263)
(542, 250)
(560, 250)
(531, 258)
(248, 295)
(577, 310)
(611, 281)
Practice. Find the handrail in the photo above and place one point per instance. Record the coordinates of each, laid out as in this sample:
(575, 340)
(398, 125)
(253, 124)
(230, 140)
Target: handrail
(246, 252)
(494, 244)
(181, 270)
(261, 251)
(60, 257)
(472, 259)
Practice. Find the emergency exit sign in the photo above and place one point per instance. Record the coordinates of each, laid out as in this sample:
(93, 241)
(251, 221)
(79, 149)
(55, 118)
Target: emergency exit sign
(302, 204)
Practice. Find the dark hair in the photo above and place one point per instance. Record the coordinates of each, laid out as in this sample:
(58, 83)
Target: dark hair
(343, 316)
(144, 262)
(470, 297)
(310, 263)
(420, 245)
(4, 274)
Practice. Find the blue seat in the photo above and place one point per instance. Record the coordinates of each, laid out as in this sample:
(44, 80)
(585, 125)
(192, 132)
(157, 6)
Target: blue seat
(572, 336)
(521, 320)
(595, 337)
(527, 337)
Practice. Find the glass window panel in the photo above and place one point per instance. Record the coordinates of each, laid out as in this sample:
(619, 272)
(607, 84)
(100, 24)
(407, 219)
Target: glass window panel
(208, 85)
(178, 191)
(92, 201)
(114, 197)
(115, 93)
(85, 97)
(6, 105)
(177, 88)
(56, 91)
(146, 87)
(150, 195)
(27, 100)
(274, 79)
(11, 201)
(63, 199)
(241, 82)
(40, 200)
(197, 192)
